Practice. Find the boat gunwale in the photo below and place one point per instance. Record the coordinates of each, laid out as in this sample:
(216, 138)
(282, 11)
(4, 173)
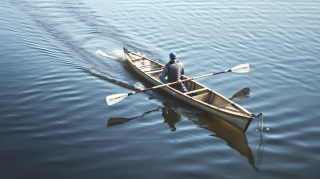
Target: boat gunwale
(248, 114)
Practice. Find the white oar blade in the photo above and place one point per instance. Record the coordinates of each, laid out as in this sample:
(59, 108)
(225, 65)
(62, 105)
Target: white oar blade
(115, 98)
(244, 68)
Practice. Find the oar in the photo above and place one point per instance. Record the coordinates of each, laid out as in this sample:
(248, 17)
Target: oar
(244, 68)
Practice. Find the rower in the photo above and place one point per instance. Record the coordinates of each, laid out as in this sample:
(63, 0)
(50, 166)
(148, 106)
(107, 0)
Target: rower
(173, 69)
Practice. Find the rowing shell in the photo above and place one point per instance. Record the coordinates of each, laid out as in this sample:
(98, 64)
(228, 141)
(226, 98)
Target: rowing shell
(197, 95)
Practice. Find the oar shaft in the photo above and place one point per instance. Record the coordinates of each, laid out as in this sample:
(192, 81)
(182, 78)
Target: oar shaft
(140, 91)
(168, 84)
(244, 68)
(151, 88)
(209, 74)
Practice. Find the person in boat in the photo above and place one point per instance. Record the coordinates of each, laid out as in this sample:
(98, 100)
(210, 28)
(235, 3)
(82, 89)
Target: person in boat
(173, 69)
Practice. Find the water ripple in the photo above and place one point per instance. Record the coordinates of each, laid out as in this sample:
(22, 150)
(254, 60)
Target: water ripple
(59, 59)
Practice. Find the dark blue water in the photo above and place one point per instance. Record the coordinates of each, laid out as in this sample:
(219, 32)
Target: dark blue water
(60, 59)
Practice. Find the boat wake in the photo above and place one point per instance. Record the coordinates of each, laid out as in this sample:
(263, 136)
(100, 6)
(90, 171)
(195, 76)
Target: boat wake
(116, 54)
(139, 86)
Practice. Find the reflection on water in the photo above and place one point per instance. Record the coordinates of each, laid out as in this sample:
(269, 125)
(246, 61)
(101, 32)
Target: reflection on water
(170, 116)
(234, 137)
(121, 120)
(242, 94)
(260, 151)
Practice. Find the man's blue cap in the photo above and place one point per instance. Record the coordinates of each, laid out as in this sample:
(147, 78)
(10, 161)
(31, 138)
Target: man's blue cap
(173, 55)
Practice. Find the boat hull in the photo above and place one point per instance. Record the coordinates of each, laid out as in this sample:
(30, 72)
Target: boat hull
(240, 121)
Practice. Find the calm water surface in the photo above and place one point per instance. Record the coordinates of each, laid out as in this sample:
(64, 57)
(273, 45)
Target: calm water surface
(60, 59)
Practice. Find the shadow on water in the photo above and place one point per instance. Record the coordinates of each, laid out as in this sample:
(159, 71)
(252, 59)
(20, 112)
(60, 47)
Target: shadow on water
(234, 137)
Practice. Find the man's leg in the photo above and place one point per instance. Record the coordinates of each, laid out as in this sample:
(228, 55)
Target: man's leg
(184, 89)
(163, 80)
